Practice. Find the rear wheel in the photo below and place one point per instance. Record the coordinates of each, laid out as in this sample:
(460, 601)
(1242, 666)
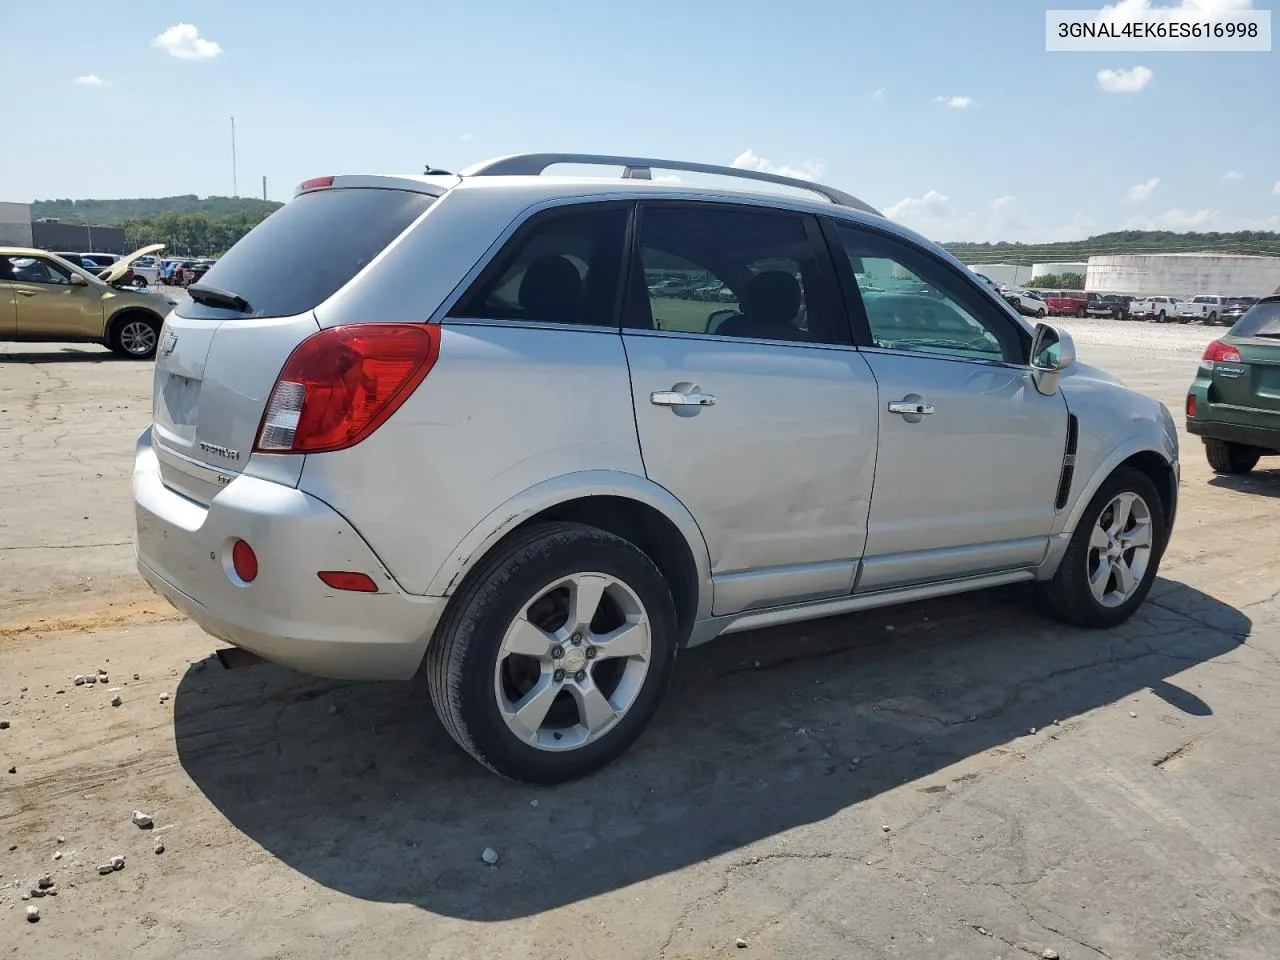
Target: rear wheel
(554, 654)
(1113, 556)
(135, 336)
(1213, 320)
(139, 282)
(1040, 314)
(1230, 458)
(1081, 313)
(1160, 317)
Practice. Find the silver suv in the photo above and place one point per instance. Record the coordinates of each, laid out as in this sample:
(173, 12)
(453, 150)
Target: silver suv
(492, 427)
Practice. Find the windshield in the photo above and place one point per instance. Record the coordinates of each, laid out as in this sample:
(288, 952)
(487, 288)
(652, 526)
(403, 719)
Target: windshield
(1262, 320)
(301, 254)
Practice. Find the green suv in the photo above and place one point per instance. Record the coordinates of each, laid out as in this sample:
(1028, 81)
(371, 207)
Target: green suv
(1234, 402)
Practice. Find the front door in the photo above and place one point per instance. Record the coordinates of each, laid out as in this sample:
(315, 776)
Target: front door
(751, 406)
(8, 308)
(970, 452)
(49, 305)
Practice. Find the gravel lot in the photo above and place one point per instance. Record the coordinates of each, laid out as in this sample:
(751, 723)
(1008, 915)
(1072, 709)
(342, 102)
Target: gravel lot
(954, 779)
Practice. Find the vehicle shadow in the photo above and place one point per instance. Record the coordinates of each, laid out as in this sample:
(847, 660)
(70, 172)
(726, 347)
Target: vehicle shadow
(1259, 481)
(66, 355)
(358, 787)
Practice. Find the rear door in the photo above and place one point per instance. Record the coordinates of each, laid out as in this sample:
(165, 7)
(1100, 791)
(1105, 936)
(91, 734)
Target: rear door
(970, 453)
(8, 300)
(753, 409)
(216, 366)
(1252, 387)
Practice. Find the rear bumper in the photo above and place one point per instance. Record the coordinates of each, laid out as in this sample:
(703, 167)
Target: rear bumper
(1266, 438)
(287, 614)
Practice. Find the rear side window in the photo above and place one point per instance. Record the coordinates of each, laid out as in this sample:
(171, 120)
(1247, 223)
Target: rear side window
(563, 266)
(1262, 320)
(300, 255)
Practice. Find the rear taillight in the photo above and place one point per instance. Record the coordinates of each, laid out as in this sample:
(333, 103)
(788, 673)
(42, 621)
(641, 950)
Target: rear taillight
(341, 384)
(1218, 352)
(244, 561)
(1191, 404)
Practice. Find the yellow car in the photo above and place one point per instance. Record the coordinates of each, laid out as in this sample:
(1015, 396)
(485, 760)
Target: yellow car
(46, 298)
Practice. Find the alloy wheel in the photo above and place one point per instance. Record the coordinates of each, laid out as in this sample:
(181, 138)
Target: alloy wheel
(138, 338)
(573, 661)
(1120, 547)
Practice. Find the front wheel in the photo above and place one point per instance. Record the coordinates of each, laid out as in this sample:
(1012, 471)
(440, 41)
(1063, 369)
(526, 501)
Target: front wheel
(1212, 320)
(139, 282)
(1230, 458)
(554, 654)
(135, 336)
(1113, 555)
(1040, 314)
(1160, 317)
(1081, 313)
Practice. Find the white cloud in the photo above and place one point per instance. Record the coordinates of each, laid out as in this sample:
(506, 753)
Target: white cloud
(1175, 219)
(1276, 189)
(92, 80)
(1124, 81)
(1004, 204)
(1233, 175)
(911, 210)
(957, 103)
(1140, 191)
(465, 136)
(877, 93)
(183, 41)
(805, 170)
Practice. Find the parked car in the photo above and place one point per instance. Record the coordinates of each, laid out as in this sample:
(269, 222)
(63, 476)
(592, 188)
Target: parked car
(192, 271)
(49, 298)
(1203, 308)
(1234, 402)
(1108, 305)
(1065, 303)
(379, 466)
(1234, 309)
(1027, 302)
(145, 271)
(1154, 309)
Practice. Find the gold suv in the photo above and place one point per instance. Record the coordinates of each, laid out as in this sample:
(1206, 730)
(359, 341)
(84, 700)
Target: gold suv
(46, 298)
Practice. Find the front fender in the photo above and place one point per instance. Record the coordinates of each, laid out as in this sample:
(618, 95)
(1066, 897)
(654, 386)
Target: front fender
(562, 489)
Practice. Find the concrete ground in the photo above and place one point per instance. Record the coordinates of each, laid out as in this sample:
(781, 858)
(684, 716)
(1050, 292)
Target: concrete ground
(954, 779)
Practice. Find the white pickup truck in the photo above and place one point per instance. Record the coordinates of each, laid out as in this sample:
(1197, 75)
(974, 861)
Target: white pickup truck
(1205, 308)
(1155, 309)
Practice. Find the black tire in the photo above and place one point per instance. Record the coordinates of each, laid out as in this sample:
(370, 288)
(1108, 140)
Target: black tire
(1160, 317)
(1067, 596)
(124, 336)
(1082, 313)
(1230, 458)
(1040, 314)
(463, 656)
(1212, 319)
(139, 282)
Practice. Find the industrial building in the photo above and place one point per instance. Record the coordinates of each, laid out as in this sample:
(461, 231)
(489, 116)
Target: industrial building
(1184, 274)
(15, 224)
(17, 230)
(1044, 269)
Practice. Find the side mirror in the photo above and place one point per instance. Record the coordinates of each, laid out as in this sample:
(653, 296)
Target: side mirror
(78, 281)
(1052, 351)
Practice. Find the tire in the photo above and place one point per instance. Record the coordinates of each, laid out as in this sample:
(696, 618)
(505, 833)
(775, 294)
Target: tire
(135, 335)
(475, 681)
(1040, 314)
(1230, 458)
(1212, 319)
(1160, 317)
(1069, 596)
(140, 282)
(1081, 313)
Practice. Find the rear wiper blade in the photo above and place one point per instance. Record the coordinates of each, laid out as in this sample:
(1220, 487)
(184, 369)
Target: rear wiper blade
(217, 297)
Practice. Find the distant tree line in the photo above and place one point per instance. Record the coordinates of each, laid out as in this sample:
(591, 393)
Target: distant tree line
(1257, 242)
(1058, 281)
(116, 213)
(191, 234)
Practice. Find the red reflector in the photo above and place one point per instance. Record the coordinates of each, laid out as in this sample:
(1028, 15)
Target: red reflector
(348, 580)
(1191, 404)
(341, 384)
(245, 561)
(316, 182)
(1219, 352)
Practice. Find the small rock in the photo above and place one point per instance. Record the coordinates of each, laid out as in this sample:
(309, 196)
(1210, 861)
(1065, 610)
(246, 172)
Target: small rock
(1049, 953)
(1133, 713)
(333, 709)
(52, 891)
(26, 896)
(13, 769)
(37, 892)
(1057, 723)
(136, 677)
(4, 724)
(45, 882)
(890, 627)
(33, 914)
(80, 679)
(533, 803)
(62, 839)
(13, 847)
(158, 846)
(57, 855)
(90, 678)
(1033, 730)
(105, 868)
(885, 828)
(117, 863)
(102, 678)
(740, 944)
(983, 931)
(489, 856)
(164, 697)
(142, 820)
(116, 701)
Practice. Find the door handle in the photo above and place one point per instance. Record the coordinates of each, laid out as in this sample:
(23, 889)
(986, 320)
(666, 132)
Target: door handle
(27, 293)
(681, 398)
(911, 408)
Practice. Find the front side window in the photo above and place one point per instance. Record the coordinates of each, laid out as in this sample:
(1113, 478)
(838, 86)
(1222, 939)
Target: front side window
(709, 269)
(915, 303)
(562, 267)
(34, 270)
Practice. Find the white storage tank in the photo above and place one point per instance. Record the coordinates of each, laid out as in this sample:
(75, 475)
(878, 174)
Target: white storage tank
(1184, 274)
(1040, 269)
(15, 224)
(1009, 274)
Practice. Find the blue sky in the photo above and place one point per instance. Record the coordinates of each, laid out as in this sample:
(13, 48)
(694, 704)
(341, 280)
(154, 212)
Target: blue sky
(948, 115)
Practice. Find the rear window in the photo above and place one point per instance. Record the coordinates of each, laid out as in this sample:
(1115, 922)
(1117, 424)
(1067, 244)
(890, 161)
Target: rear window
(301, 254)
(1262, 320)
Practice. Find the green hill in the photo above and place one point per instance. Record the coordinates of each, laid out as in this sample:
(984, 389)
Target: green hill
(1257, 242)
(115, 213)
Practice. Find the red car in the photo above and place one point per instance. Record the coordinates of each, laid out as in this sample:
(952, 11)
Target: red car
(1066, 303)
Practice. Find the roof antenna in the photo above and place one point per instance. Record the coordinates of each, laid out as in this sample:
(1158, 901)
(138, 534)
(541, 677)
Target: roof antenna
(431, 171)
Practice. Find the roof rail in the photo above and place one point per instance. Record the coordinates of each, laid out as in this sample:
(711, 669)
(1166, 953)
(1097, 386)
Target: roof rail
(639, 168)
